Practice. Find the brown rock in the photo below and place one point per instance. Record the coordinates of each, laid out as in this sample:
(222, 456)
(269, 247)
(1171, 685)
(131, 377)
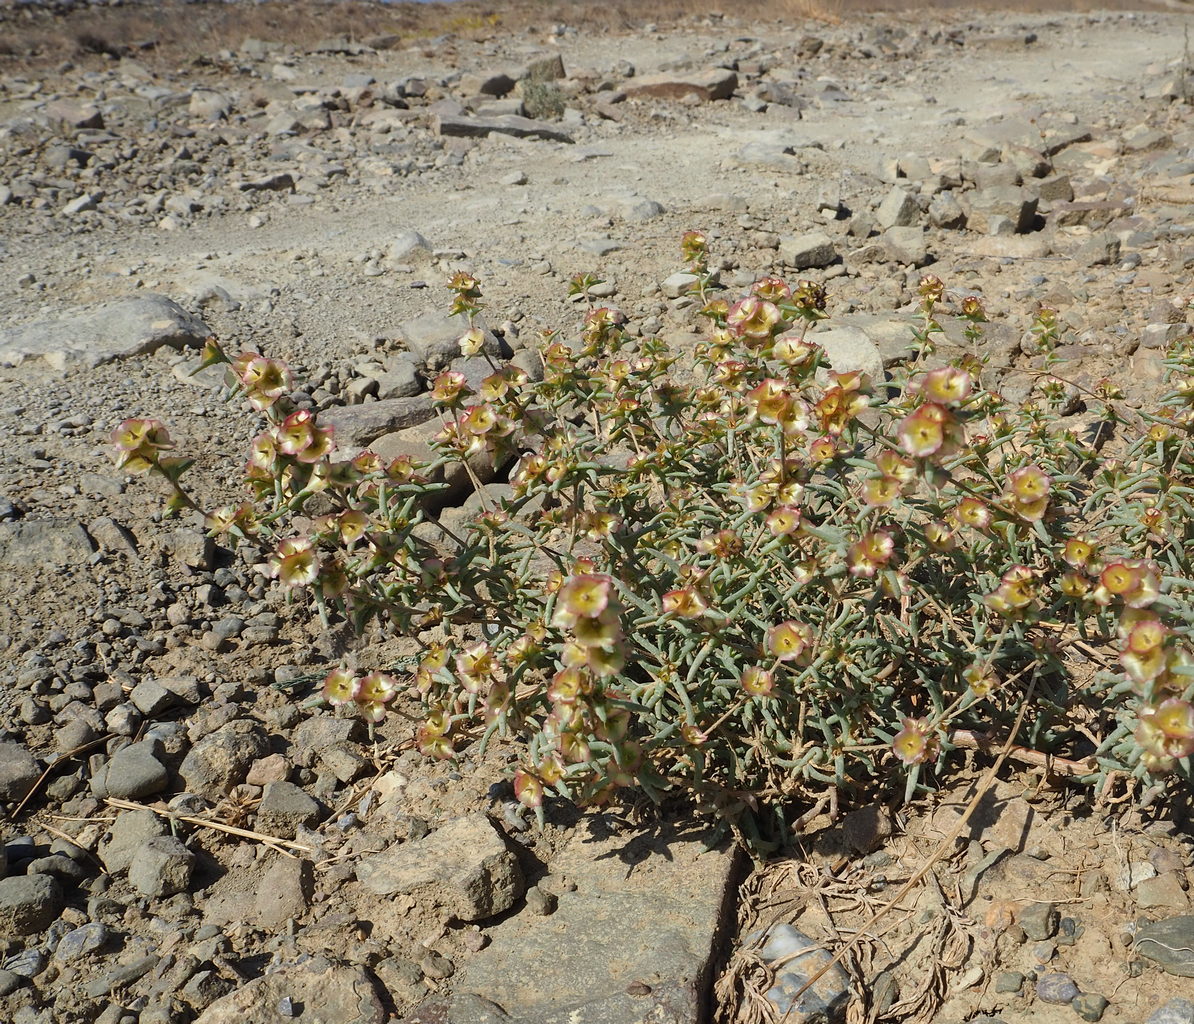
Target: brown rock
(713, 84)
(342, 994)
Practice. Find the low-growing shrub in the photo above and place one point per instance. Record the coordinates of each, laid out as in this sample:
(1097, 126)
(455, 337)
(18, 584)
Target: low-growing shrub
(732, 572)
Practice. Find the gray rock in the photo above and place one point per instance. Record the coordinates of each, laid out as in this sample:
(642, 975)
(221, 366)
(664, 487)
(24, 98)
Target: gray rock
(1100, 251)
(464, 866)
(401, 380)
(129, 832)
(1015, 204)
(1169, 943)
(28, 904)
(357, 425)
(799, 959)
(408, 247)
(284, 892)
(802, 252)
(1089, 1006)
(678, 284)
(712, 84)
(133, 773)
(42, 542)
(906, 245)
(505, 124)
(643, 908)
(283, 808)
(433, 339)
(18, 772)
(850, 348)
(1176, 1011)
(549, 68)
(82, 940)
(132, 326)
(209, 105)
(151, 698)
(219, 761)
(162, 867)
(417, 443)
(946, 212)
(9, 983)
(1058, 989)
(1039, 921)
(341, 994)
(319, 732)
(898, 210)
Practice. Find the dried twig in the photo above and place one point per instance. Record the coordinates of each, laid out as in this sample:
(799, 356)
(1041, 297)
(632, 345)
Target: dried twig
(281, 845)
(81, 749)
(987, 782)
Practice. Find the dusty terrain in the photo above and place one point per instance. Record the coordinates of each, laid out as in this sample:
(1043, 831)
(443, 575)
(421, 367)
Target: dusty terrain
(310, 201)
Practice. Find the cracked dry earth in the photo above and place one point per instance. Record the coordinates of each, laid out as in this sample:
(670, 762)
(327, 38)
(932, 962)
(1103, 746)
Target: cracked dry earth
(311, 203)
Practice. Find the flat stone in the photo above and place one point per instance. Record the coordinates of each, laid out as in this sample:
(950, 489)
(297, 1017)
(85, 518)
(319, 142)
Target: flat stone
(504, 124)
(799, 958)
(906, 245)
(850, 348)
(42, 542)
(632, 942)
(1169, 943)
(82, 940)
(1163, 893)
(128, 327)
(19, 770)
(1012, 202)
(1039, 921)
(463, 867)
(283, 808)
(803, 252)
(356, 425)
(284, 892)
(433, 338)
(712, 84)
(1176, 1011)
(345, 995)
(416, 442)
(28, 904)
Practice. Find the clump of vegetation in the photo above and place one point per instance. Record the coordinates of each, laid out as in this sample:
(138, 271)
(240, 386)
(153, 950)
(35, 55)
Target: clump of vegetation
(542, 100)
(745, 576)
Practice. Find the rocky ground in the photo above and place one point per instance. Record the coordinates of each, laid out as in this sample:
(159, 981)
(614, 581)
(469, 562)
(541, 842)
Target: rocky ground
(311, 202)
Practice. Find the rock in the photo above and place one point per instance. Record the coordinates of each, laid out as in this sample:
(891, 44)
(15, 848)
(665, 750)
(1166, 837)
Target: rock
(1039, 921)
(408, 247)
(209, 105)
(799, 957)
(802, 252)
(946, 212)
(28, 904)
(151, 698)
(416, 442)
(1176, 1011)
(401, 380)
(898, 210)
(464, 867)
(433, 339)
(850, 348)
(1089, 1006)
(282, 181)
(906, 245)
(1057, 988)
(1093, 214)
(283, 808)
(133, 773)
(1015, 204)
(130, 831)
(75, 114)
(358, 425)
(1170, 943)
(345, 995)
(643, 909)
(678, 284)
(1162, 893)
(549, 68)
(9, 983)
(219, 760)
(1100, 251)
(132, 326)
(505, 124)
(18, 772)
(713, 84)
(284, 892)
(162, 867)
(82, 940)
(45, 542)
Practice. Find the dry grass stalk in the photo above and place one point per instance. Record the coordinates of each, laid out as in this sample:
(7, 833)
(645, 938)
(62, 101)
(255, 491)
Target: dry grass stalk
(283, 846)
